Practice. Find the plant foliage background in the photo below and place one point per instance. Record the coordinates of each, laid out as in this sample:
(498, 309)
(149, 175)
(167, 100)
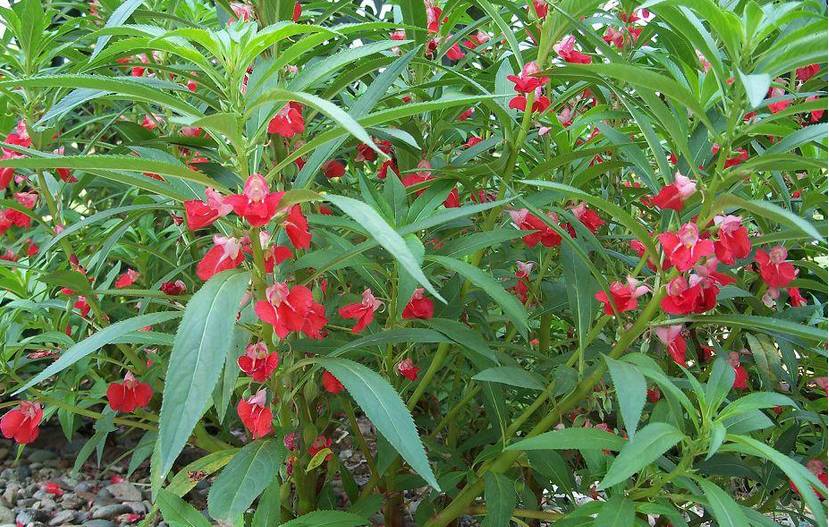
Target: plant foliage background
(570, 248)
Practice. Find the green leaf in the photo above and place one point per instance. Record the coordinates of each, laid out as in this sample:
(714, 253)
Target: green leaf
(392, 336)
(509, 303)
(118, 17)
(243, 479)
(631, 389)
(718, 432)
(199, 352)
(385, 235)
(774, 326)
(499, 493)
(178, 513)
(327, 519)
(97, 341)
(182, 482)
(382, 405)
(135, 88)
(719, 384)
(649, 444)
(772, 212)
(512, 376)
(756, 87)
(618, 511)
(571, 439)
(723, 507)
(800, 476)
(755, 401)
(268, 509)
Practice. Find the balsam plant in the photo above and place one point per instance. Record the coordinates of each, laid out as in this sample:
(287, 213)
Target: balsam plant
(567, 257)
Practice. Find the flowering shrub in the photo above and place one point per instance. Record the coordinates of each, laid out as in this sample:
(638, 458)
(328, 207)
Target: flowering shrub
(568, 258)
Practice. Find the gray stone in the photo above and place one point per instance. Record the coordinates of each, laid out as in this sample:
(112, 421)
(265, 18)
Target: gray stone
(4, 453)
(72, 501)
(10, 494)
(23, 472)
(124, 491)
(98, 523)
(85, 486)
(6, 515)
(39, 455)
(62, 517)
(48, 504)
(27, 516)
(109, 511)
(136, 507)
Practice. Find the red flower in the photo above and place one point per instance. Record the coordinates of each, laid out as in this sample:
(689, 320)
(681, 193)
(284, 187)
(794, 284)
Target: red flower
(50, 487)
(257, 418)
(362, 312)
(566, 50)
(476, 40)
(776, 92)
(82, 305)
(257, 362)
(383, 170)
(20, 136)
(815, 115)
(540, 8)
(331, 384)
(733, 243)
(333, 168)
(257, 204)
(698, 296)
(455, 52)
(22, 423)
(673, 196)
(7, 173)
(129, 395)
(407, 369)
(624, 297)
(588, 217)
(432, 17)
(173, 288)
(466, 114)
(472, 141)
(774, 270)
(288, 121)
(297, 12)
(296, 227)
(126, 279)
(519, 102)
(654, 395)
(542, 234)
(807, 72)
(365, 153)
(274, 254)
(418, 177)
(453, 200)
(684, 248)
(671, 336)
(522, 286)
(225, 254)
(199, 214)
(740, 372)
(795, 298)
(290, 310)
(419, 306)
(528, 80)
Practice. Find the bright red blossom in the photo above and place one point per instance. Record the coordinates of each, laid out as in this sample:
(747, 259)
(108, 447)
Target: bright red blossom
(774, 270)
(733, 242)
(419, 306)
(257, 418)
(407, 369)
(331, 384)
(624, 297)
(542, 234)
(296, 227)
(288, 121)
(128, 395)
(333, 168)
(673, 196)
(225, 254)
(257, 204)
(291, 310)
(22, 423)
(671, 336)
(127, 278)
(566, 50)
(684, 247)
(258, 362)
(200, 214)
(362, 312)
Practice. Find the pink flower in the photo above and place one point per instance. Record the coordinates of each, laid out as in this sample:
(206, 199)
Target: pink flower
(774, 269)
(363, 311)
(288, 121)
(673, 196)
(566, 50)
(225, 254)
(528, 80)
(257, 204)
(684, 248)
(433, 14)
(126, 279)
(624, 297)
(671, 336)
(258, 362)
(807, 72)
(733, 242)
(776, 92)
(407, 369)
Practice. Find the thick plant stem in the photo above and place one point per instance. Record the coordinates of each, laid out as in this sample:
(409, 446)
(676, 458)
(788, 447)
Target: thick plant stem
(434, 367)
(503, 462)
